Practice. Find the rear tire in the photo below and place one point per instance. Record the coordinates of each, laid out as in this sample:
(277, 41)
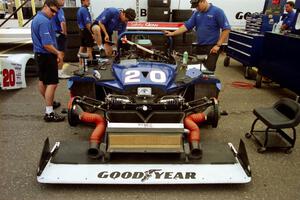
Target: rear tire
(206, 90)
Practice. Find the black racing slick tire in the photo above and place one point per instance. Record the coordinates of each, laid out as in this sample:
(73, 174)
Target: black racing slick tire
(159, 3)
(181, 15)
(157, 14)
(72, 27)
(73, 119)
(70, 13)
(215, 119)
(73, 41)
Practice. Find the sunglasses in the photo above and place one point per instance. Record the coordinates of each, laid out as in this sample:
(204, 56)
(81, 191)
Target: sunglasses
(52, 10)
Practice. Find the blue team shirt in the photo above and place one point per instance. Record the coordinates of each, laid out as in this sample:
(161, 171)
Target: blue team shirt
(83, 17)
(208, 25)
(58, 19)
(42, 33)
(289, 19)
(110, 18)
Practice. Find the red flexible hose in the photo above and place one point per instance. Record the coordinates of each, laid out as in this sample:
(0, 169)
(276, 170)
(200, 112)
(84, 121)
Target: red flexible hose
(243, 85)
(190, 122)
(100, 122)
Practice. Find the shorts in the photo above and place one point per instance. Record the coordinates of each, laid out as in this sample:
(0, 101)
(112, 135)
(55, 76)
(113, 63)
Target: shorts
(102, 33)
(47, 64)
(212, 58)
(61, 40)
(86, 37)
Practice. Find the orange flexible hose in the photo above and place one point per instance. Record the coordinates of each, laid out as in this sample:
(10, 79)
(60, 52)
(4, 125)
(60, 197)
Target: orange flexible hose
(243, 85)
(100, 122)
(190, 122)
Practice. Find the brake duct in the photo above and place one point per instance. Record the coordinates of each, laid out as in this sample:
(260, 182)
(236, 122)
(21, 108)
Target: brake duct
(191, 122)
(97, 134)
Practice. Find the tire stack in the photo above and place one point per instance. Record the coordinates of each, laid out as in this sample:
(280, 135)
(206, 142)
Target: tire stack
(183, 42)
(73, 38)
(159, 42)
(158, 10)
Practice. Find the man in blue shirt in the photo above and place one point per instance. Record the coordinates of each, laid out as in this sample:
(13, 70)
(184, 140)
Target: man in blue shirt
(84, 22)
(111, 19)
(47, 56)
(288, 21)
(59, 25)
(208, 21)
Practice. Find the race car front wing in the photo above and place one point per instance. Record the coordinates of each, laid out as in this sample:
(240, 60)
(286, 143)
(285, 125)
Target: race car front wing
(68, 163)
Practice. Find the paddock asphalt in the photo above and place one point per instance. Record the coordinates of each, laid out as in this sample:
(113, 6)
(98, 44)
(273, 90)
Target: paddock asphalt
(275, 175)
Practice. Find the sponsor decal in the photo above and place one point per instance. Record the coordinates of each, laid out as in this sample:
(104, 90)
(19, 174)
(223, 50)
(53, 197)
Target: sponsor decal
(149, 24)
(241, 15)
(156, 174)
(12, 76)
(155, 24)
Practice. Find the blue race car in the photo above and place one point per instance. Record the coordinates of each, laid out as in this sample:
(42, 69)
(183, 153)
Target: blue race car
(147, 106)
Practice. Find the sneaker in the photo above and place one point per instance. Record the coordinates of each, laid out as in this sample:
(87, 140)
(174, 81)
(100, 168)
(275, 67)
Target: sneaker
(53, 117)
(55, 104)
(62, 75)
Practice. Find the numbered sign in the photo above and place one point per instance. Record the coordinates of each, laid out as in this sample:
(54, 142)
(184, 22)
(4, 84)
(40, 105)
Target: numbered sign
(12, 75)
(9, 78)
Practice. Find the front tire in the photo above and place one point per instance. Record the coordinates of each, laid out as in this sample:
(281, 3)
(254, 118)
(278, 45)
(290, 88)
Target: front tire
(73, 119)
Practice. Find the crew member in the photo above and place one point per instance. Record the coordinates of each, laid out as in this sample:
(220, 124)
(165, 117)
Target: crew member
(84, 22)
(287, 23)
(47, 56)
(111, 19)
(208, 21)
(59, 25)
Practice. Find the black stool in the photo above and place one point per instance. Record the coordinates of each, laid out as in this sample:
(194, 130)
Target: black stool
(284, 114)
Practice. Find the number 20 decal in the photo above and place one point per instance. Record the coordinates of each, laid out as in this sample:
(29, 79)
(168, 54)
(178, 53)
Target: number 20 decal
(132, 76)
(9, 78)
(156, 76)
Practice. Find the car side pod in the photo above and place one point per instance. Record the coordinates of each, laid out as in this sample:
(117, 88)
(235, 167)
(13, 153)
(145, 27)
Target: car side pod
(68, 163)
